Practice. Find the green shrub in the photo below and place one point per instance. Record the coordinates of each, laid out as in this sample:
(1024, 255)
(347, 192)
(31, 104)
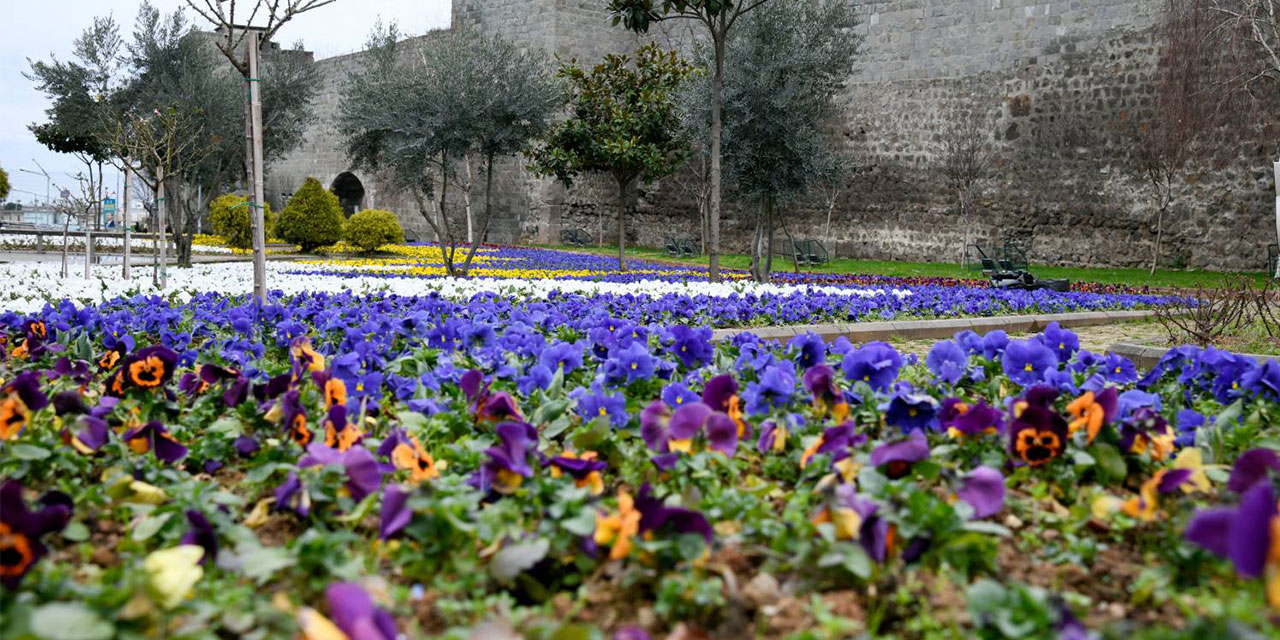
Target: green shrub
(373, 228)
(313, 217)
(230, 218)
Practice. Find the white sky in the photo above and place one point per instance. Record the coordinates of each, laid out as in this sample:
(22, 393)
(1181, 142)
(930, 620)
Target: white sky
(36, 29)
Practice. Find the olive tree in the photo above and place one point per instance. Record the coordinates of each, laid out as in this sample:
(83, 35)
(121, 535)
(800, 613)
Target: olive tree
(787, 65)
(718, 18)
(418, 113)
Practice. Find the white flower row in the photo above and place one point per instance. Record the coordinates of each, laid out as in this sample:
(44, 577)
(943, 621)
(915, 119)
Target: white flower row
(31, 285)
(75, 242)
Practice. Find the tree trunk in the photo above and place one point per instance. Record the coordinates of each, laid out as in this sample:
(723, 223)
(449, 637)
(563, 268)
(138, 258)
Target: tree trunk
(769, 224)
(66, 239)
(162, 207)
(488, 213)
(717, 105)
(448, 244)
(757, 242)
(964, 220)
(831, 207)
(1277, 176)
(623, 183)
(466, 198)
(1165, 199)
(88, 235)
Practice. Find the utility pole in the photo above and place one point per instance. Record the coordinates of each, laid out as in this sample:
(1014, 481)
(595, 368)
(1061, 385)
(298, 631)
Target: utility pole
(256, 208)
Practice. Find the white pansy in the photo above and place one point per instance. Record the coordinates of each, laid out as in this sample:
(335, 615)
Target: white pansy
(33, 284)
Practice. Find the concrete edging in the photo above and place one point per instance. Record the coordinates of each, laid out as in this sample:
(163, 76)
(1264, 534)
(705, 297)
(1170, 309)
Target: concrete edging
(1146, 357)
(939, 329)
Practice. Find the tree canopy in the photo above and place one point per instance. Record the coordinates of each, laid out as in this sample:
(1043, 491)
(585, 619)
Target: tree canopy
(459, 93)
(786, 66)
(623, 122)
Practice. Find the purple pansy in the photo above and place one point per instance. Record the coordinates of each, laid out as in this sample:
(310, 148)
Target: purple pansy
(983, 488)
(20, 545)
(896, 458)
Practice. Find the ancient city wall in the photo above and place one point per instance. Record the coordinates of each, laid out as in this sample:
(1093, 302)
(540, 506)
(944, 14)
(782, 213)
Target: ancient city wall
(1058, 80)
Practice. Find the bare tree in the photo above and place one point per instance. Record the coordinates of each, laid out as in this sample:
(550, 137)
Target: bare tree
(1250, 31)
(245, 26)
(1180, 126)
(79, 203)
(967, 158)
(164, 145)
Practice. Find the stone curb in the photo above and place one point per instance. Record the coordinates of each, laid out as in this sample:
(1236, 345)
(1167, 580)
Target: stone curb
(939, 329)
(1146, 357)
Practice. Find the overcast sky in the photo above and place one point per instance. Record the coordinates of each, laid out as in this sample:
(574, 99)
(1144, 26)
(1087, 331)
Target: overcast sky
(36, 29)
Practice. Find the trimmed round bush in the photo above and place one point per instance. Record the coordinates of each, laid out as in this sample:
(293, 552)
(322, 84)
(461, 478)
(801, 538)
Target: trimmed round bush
(230, 218)
(312, 219)
(372, 228)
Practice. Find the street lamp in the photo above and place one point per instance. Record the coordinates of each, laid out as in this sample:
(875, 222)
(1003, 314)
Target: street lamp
(47, 179)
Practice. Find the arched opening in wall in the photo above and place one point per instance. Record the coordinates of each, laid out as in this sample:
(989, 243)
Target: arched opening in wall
(350, 192)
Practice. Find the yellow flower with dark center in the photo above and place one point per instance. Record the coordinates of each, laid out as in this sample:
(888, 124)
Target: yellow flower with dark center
(109, 359)
(342, 439)
(811, 451)
(299, 431)
(147, 373)
(13, 417)
(16, 553)
(419, 463)
(1037, 447)
(507, 481)
(847, 522)
(335, 392)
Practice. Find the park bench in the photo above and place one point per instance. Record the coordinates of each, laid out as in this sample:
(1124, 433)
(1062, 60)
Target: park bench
(681, 247)
(575, 237)
(809, 252)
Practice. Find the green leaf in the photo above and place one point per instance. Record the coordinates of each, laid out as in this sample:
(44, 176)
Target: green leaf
(69, 621)
(982, 526)
(516, 558)
(582, 525)
(76, 532)
(1111, 466)
(229, 426)
(149, 526)
(260, 563)
(29, 452)
(1082, 458)
(1230, 415)
(572, 632)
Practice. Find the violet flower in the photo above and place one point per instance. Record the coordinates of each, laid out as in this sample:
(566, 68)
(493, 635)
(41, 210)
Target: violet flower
(21, 530)
(18, 399)
(395, 514)
(155, 438)
(202, 534)
(898, 457)
(983, 488)
(1245, 534)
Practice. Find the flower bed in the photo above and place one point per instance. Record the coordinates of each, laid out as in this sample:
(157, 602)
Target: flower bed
(501, 261)
(347, 466)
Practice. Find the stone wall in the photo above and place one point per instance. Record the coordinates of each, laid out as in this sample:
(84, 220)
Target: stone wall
(1057, 79)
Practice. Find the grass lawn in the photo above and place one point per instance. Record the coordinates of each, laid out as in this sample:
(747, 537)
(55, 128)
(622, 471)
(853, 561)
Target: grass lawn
(1163, 278)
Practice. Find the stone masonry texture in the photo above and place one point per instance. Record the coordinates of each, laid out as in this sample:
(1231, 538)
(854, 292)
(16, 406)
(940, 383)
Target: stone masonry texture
(1056, 80)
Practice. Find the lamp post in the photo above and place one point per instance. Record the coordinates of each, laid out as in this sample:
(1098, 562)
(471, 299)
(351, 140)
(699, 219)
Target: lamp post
(47, 180)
